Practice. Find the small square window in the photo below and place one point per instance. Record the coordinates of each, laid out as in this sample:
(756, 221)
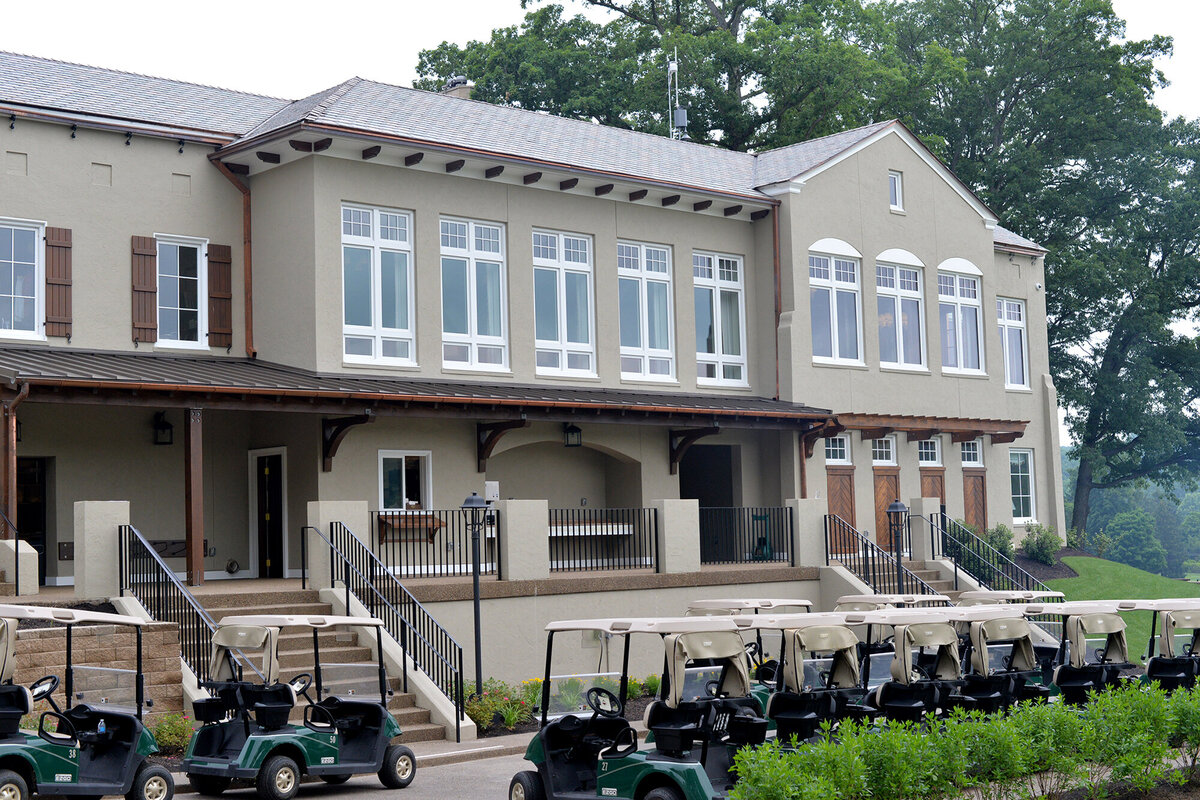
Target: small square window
(454, 234)
(968, 288)
(627, 257)
(575, 250)
(487, 238)
(728, 269)
(545, 246)
(818, 267)
(356, 222)
(929, 452)
(845, 271)
(885, 277)
(702, 266)
(883, 451)
(656, 260)
(837, 450)
(896, 191)
(971, 454)
(946, 285)
(910, 280)
(393, 227)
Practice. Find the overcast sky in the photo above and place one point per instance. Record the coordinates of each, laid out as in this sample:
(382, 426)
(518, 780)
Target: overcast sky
(289, 50)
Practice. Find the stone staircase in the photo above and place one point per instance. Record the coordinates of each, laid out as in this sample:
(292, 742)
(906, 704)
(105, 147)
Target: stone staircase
(933, 577)
(296, 656)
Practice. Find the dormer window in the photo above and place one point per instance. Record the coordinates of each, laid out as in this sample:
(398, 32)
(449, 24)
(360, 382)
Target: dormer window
(896, 190)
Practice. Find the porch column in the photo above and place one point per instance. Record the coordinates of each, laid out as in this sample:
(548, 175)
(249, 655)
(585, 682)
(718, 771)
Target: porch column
(9, 468)
(193, 497)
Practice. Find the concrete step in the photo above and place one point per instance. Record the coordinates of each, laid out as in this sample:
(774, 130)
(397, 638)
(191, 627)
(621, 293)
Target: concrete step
(302, 660)
(403, 706)
(315, 608)
(303, 640)
(257, 599)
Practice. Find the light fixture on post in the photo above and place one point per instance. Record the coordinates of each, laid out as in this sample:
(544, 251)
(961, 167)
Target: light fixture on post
(897, 515)
(473, 509)
(572, 435)
(164, 432)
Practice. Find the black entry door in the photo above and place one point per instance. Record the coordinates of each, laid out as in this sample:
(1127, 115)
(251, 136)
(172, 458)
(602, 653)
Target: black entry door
(31, 508)
(269, 470)
(706, 474)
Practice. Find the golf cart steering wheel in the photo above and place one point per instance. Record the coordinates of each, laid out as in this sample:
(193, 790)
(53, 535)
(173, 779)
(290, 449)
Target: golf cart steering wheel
(43, 688)
(713, 688)
(300, 685)
(924, 673)
(604, 702)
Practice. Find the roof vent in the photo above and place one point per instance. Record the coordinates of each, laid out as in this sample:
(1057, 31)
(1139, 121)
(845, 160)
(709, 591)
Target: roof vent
(458, 86)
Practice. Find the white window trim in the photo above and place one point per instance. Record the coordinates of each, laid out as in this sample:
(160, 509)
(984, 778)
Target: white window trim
(899, 176)
(899, 295)
(1003, 323)
(645, 352)
(937, 452)
(561, 266)
(428, 476)
(958, 302)
(833, 285)
(38, 334)
(846, 445)
(978, 462)
(201, 246)
(891, 462)
(472, 339)
(1032, 519)
(718, 285)
(376, 331)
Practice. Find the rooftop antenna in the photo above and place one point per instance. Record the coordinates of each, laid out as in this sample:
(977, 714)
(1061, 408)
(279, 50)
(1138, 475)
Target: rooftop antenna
(676, 113)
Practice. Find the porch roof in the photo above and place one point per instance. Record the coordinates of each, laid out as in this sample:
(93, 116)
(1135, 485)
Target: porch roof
(161, 379)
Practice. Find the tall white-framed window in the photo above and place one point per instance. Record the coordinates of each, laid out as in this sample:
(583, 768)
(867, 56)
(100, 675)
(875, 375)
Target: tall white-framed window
(895, 190)
(474, 295)
(1020, 473)
(378, 319)
(1010, 320)
(182, 291)
(837, 449)
(405, 480)
(22, 276)
(720, 319)
(972, 453)
(929, 452)
(563, 318)
(960, 322)
(901, 316)
(834, 303)
(883, 451)
(644, 299)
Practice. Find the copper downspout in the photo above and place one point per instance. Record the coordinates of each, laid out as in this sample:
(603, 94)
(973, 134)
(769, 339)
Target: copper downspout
(10, 456)
(247, 270)
(778, 290)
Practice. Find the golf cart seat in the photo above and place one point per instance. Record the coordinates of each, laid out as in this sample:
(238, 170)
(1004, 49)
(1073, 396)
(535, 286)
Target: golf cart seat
(272, 705)
(1079, 676)
(675, 728)
(118, 726)
(1170, 669)
(909, 695)
(801, 705)
(15, 700)
(992, 686)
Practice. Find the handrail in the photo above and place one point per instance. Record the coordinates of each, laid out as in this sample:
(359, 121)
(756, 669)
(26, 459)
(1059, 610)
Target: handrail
(430, 646)
(870, 562)
(974, 556)
(16, 551)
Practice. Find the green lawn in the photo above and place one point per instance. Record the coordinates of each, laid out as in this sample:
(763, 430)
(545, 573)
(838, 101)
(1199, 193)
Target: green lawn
(1107, 580)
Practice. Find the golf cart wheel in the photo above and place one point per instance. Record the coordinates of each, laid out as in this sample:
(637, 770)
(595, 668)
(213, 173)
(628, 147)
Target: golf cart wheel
(334, 780)
(152, 782)
(279, 779)
(209, 785)
(13, 786)
(664, 793)
(526, 786)
(399, 767)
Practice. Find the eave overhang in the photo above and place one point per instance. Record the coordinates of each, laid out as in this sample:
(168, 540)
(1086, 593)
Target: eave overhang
(115, 124)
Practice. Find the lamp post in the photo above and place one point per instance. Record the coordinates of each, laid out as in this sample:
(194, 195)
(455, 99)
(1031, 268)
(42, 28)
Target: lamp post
(473, 508)
(897, 512)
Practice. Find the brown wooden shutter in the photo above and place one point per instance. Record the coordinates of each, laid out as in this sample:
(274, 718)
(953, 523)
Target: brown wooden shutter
(58, 282)
(220, 295)
(145, 289)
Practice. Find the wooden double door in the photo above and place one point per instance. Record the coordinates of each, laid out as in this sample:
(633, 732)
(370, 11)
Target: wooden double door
(840, 491)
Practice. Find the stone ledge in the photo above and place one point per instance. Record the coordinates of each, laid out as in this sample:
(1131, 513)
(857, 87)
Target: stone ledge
(448, 590)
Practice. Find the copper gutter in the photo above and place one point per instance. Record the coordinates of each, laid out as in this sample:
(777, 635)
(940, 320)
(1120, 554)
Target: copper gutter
(247, 270)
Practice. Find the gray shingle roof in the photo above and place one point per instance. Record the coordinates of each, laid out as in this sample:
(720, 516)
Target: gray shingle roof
(59, 85)
(785, 163)
(1003, 236)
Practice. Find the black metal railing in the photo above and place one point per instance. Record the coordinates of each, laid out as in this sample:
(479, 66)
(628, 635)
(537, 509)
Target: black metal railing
(144, 575)
(431, 648)
(434, 543)
(11, 532)
(971, 554)
(746, 535)
(871, 563)
(583, 539)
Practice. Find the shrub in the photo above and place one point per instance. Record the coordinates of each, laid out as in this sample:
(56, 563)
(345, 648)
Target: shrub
(1050, 735)
(1001, 538)
(1127, 730)
(652, 685)
(1041, 543)
(634, 688)
(1077, 539)
(173, 732)
(1184, 708)
(531, 692)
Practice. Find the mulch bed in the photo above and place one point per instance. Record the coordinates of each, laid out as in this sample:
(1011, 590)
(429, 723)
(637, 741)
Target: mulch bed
(634, 710)
(34, 624)
(1044, 572)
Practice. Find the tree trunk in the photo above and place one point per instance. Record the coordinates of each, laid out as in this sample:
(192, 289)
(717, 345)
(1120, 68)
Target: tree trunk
(1083, 495)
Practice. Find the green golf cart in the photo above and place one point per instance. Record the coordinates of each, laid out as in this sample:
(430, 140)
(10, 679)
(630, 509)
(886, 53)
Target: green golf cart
(703, 713)
(247, 730)
(96, 745)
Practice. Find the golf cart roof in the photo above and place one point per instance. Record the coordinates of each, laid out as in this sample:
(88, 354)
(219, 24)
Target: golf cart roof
(789, 622)
(908, 616)
(880, 600)
(660, 625)
(1169, 604)
(1010, 596)
(1072, 608)
(67, 616)
(298, 621)
(748, 604)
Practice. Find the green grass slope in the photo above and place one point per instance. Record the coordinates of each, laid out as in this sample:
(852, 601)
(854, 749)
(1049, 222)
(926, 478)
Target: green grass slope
(1107, 580)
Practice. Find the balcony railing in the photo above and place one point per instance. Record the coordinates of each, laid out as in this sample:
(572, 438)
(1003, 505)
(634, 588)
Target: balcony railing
(583, 539)
(746, 535)
(434, 543)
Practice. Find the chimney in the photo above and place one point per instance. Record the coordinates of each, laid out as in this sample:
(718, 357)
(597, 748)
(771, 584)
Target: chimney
(458, 86)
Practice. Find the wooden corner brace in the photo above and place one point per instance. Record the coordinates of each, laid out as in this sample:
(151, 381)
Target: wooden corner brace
(681, 440)
(334, 430)
(487, 436)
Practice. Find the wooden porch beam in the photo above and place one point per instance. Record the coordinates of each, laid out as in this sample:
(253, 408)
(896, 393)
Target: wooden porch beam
(333, 431)
(487, 436)
(876, 433)
(681, 440)
(958, 437)
(193, 493)
(922, 435)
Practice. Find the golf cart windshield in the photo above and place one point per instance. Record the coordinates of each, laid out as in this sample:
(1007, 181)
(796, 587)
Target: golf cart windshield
(103, 687)
(568, 692)
(351, 681)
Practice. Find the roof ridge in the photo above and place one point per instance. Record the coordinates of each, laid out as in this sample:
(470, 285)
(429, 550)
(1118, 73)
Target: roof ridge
(880, 125)
(332, 96)
(144, 75)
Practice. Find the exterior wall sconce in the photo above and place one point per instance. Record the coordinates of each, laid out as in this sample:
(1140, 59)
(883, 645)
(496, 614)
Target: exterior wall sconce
(572, 435)
(164, 432)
